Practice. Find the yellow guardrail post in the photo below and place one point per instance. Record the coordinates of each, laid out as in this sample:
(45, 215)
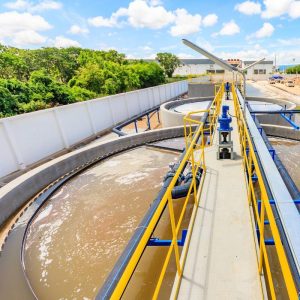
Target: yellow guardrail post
(251, 166)
(195, 156)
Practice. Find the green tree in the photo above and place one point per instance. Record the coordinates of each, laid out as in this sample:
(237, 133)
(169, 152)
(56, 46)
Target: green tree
(12, 66)
(46, 77)
(8, 104)
(150, 74)
(293, 70)
(51, 91)
(90, 77)
(168, 61)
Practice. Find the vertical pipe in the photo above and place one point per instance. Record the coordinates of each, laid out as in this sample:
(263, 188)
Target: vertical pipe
(136, 128)
(148, 121)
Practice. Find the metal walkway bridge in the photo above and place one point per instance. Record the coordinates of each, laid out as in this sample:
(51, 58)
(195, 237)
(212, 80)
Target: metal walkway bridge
(242, 241)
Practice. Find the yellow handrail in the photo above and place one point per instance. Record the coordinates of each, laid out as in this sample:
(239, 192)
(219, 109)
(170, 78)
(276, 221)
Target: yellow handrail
(195, 157)
(251, 167)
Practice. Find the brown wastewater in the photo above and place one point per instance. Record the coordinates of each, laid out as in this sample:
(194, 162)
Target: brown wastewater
(77, 236)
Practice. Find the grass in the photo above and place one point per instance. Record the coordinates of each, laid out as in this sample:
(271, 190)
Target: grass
(175, 79)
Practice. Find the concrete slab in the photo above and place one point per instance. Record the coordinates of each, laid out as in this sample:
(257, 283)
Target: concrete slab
(221, 260)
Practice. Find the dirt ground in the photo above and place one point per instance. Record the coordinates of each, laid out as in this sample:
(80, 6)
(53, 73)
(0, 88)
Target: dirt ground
(278, 90)
(142, 124)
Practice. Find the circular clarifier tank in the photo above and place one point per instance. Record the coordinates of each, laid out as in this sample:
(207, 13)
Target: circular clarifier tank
(172, 113)
(74, 241)
(264, 106)
(196, 106)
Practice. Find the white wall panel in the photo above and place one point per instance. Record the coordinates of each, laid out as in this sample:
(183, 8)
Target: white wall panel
(39, 134)
(36, 134)
(150, 98)
(143, 98)
(119, 108)
(8, 162)
(162, 92)
(155, 92)
(74, 122)
(133, 104)
(101, 113)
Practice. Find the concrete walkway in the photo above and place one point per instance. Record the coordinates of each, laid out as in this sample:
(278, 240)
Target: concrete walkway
(221, 261)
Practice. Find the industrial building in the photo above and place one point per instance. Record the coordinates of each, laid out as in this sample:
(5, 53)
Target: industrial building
(206, 66)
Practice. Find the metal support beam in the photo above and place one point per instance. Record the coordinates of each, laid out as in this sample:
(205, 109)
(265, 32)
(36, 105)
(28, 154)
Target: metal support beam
(294, 125)
(158, 242)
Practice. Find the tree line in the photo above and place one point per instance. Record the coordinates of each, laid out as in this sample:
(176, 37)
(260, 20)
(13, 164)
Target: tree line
(293, 70)
(36, 79)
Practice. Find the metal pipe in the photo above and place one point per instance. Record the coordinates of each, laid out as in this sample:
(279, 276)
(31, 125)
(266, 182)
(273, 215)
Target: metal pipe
(290, 121)
(274, 112)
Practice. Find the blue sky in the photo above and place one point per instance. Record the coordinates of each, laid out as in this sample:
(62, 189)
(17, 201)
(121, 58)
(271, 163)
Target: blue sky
(141, 28)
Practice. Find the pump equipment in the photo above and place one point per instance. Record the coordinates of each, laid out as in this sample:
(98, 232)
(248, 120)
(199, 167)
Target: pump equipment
(225, 146)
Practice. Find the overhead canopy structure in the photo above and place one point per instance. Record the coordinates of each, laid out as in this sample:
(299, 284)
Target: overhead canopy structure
(223, 64)
(276, 77)
(253, 64)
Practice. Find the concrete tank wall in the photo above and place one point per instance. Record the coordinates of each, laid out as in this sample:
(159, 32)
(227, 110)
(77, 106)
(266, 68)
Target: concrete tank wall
(271, 118)
(200, 89)
(16, 193)
(282, 131)
(171, 118)
(28, 138)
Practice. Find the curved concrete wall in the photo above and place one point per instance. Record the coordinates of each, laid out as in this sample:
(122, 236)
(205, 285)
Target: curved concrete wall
(16, 193)
(273, 119)
(281, 131)
(171, 118)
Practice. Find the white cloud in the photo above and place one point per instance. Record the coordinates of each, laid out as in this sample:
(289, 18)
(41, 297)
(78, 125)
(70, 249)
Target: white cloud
(146, 48)
(151, 14)
(248, 8)
(18, 5)
(155, 2)
(257, 52)
(277, 8)
(294, 10)
(132, 56)
(63, 42)
(265, 31)
(185, 23)
(205, 44)
(151, 56)
(103, 22)
(22, 28)
(31, 7)
(229, 28)
(141, 15)
(28, 37)
(254, 53)
(288, 42)
(210, 20)
(75, 29)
